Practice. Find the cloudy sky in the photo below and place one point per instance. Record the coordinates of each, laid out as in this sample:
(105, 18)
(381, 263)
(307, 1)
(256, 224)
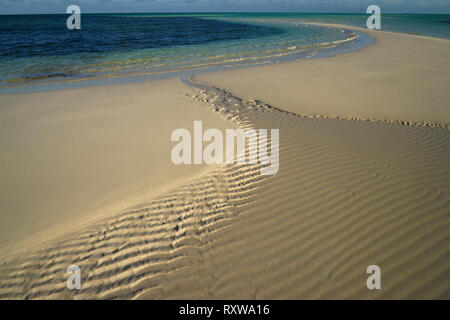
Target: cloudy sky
(59, 6)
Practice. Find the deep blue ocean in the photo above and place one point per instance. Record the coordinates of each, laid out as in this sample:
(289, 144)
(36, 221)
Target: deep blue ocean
(40, 50)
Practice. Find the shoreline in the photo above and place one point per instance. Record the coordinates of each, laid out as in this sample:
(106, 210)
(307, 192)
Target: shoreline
(348, 194)
(369, 63)
(132, 78)
(138, 78)
(372, 32)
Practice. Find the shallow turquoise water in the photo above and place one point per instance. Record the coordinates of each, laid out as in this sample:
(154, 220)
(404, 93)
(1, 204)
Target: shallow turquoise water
(38, 52)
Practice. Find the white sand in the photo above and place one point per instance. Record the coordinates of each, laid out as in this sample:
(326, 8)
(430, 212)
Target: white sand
(71, 156)
(401, 77)
(349, 194)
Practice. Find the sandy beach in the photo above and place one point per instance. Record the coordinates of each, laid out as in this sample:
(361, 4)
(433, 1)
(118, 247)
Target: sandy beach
(73, 156)
(364, 180)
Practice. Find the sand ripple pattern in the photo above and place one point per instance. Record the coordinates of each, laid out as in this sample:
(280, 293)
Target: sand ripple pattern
(349, 194)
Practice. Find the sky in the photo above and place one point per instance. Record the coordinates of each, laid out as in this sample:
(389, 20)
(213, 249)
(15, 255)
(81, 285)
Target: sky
(96, 6)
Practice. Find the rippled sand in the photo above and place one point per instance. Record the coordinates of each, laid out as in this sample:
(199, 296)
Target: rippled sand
(361, 182)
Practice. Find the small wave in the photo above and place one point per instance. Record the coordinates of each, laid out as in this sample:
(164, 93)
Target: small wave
(40, 77)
